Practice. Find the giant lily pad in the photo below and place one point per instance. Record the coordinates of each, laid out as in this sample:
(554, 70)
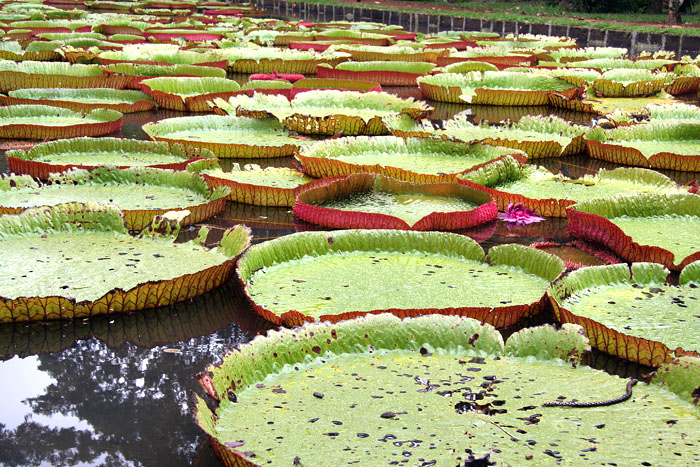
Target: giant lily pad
(604, 64)
(160, 54)
(78, 260)
(87, 153)
(140, 193)
(568, 55)
(55, 75)
(13, 50)
(633, 313)
(390, 73)
(317, 84)
(606, 105)
(372, 201)
(413, 159)
(372, 53)
(687, 80)
(268, 60)
(677, 112)
(403, 272)
(623, 82)
(661, 228)
(83, 100)
(440, 390)
(227, 136)
(46, 122)
(493, 56)
(539, 137)
(510, 182)
(273, 186)
(188, 93)
(494, 88)
(327, 112)
(661, 145)
(139, 73)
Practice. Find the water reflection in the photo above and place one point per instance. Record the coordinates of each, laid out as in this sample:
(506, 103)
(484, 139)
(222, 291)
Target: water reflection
(113, 389)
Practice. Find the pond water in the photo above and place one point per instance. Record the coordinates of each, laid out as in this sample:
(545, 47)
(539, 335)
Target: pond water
(114, 390)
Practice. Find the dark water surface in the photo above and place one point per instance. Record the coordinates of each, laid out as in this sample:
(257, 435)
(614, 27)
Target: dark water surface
(113, 390)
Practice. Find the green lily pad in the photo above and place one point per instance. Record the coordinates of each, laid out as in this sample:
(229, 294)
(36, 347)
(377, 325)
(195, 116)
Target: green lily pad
(633, 313)
(493, 87)
(84, 100)
(32, 74)
(625, 82)
(188, 93)
(412, 159)
(404, 272)
(227, 136)
(538, 136)
(327, 112)
(272, 186)
(140, 193)
(646, 227)
(661, 145)
(139, 72)
(508, 181)
(75, 260)
(606, 105)
(438, 391)
(157, 54)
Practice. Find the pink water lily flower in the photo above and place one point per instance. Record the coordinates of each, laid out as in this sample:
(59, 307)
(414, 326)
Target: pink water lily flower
(519, 215)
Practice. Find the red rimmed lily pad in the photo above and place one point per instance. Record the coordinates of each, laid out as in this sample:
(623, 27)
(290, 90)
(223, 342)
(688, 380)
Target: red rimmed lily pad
(87, 153)
(272, 186)
(509, 182)
(141, 193)
(51, 271)
(227, 136)
(372, 201)
(414, 159)
(661, 228)
(188, 93)
(660, 145)
(46, 122)
(371, 53)
(404, 272)
(633, 312)
(389, 73)
(82, 100)
(138, 73)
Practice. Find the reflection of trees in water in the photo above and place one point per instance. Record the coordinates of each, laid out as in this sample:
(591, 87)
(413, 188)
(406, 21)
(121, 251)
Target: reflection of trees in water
(32, 444)
(112, 373)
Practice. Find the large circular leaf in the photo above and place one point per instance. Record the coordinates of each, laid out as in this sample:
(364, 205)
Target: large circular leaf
(289, 279)
(439, 391)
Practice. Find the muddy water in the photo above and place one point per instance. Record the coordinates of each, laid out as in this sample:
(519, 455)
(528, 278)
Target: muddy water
(114, 389)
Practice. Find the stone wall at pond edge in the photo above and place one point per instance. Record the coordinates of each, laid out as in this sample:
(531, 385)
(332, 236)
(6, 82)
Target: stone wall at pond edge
(585, 36)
